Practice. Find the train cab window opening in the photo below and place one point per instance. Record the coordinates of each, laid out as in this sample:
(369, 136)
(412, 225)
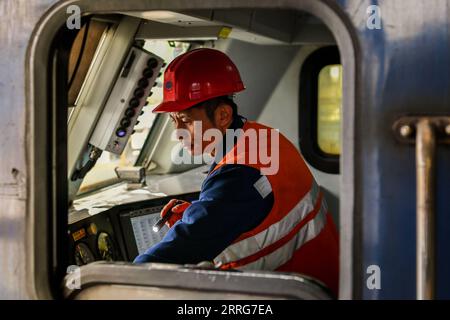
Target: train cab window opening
(320, 102)
(104, 237)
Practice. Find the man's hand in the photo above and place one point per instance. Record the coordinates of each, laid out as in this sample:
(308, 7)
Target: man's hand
(177, 210)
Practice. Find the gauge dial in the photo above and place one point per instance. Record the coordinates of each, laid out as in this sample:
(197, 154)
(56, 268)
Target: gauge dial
(105, 247)
(83, 255)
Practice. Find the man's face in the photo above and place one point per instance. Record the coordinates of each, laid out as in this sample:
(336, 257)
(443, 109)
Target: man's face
(185, 120)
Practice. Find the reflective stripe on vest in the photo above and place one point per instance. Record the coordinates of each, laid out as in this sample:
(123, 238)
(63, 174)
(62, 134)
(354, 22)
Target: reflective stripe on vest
(298, 216)
(274, 232)
(284, 253)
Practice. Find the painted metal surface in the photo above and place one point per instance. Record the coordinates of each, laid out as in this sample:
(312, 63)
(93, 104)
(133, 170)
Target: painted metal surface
(15, 34)
(401, 68)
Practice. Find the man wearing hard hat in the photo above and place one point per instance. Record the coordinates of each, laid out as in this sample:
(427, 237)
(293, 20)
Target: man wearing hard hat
(246, 218)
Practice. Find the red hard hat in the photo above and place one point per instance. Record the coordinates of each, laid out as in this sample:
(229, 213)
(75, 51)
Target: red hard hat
(197, 76)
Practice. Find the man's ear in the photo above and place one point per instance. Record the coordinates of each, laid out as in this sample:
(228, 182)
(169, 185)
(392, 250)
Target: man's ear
(223, 116)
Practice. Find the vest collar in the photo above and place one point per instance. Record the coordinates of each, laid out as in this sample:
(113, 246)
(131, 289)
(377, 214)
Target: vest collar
(237, 123)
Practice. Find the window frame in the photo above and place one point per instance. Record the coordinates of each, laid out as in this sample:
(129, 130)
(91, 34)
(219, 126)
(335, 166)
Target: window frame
(309, 107)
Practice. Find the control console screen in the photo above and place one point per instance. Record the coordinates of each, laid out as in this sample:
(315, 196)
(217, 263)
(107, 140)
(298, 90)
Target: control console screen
(143, 233)
(140, 223)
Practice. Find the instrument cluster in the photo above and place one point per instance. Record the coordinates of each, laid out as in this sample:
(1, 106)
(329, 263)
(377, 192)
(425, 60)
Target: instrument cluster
(119, 233)
(93, 241)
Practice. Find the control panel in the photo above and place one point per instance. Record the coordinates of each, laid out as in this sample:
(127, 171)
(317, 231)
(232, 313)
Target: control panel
(137, 226)
(126, 101)
(119, 233)
(93, 239)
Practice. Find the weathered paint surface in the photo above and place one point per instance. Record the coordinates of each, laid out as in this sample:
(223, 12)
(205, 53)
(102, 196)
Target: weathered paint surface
(18, 19)
(404, 69)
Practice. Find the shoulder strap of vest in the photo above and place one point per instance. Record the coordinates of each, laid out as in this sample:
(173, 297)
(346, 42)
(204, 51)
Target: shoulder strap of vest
(247, 125)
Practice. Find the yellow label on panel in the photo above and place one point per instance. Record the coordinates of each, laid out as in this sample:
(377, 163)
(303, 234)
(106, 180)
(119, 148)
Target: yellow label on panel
(92, 229)
(80, 234)
(224, 32)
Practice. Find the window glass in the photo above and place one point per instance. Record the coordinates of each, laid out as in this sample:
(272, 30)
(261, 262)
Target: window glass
(329, 109)
(103, 171)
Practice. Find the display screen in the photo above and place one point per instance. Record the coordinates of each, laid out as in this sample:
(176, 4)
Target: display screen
(144, 236)
(137, 221)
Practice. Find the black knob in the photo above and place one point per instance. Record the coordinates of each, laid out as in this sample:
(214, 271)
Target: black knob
(150, 94)
(152, 63)
(146, 103)
(159, 74)
(129, 112)
(125, 122)
(139, 93)
(137, 122)
(133, 103)
(142, 112)
(142, 83)
(121, 132)
(148, 73)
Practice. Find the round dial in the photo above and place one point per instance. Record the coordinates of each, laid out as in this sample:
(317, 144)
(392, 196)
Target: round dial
(105, 247)
(83, 255)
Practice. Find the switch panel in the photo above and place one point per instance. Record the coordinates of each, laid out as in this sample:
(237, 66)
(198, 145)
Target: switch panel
(127, 98)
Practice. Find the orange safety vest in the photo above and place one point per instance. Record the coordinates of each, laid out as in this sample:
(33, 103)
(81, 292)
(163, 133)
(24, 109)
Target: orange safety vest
(298, 235)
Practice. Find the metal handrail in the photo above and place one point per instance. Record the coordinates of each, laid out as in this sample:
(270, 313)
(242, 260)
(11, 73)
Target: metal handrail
(425, 210)
(425, 132)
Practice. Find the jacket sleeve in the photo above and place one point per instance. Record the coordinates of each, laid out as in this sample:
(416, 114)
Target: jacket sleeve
(229, 205)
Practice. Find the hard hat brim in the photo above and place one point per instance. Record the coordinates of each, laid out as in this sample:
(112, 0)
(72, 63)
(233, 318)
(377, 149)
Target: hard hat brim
(169, 106)
(175, 106)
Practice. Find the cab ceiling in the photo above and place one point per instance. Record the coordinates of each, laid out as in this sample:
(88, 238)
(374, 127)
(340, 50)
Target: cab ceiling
(267, 27)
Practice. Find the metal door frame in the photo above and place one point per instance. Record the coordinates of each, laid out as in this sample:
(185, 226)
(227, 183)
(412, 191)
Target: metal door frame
(36, 94)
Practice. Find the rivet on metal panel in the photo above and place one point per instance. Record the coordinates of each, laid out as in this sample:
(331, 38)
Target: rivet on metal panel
(406, 131)
(447, 129)
(405, 128)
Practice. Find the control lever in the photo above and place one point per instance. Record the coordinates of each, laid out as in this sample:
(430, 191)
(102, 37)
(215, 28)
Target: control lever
(93, 157)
